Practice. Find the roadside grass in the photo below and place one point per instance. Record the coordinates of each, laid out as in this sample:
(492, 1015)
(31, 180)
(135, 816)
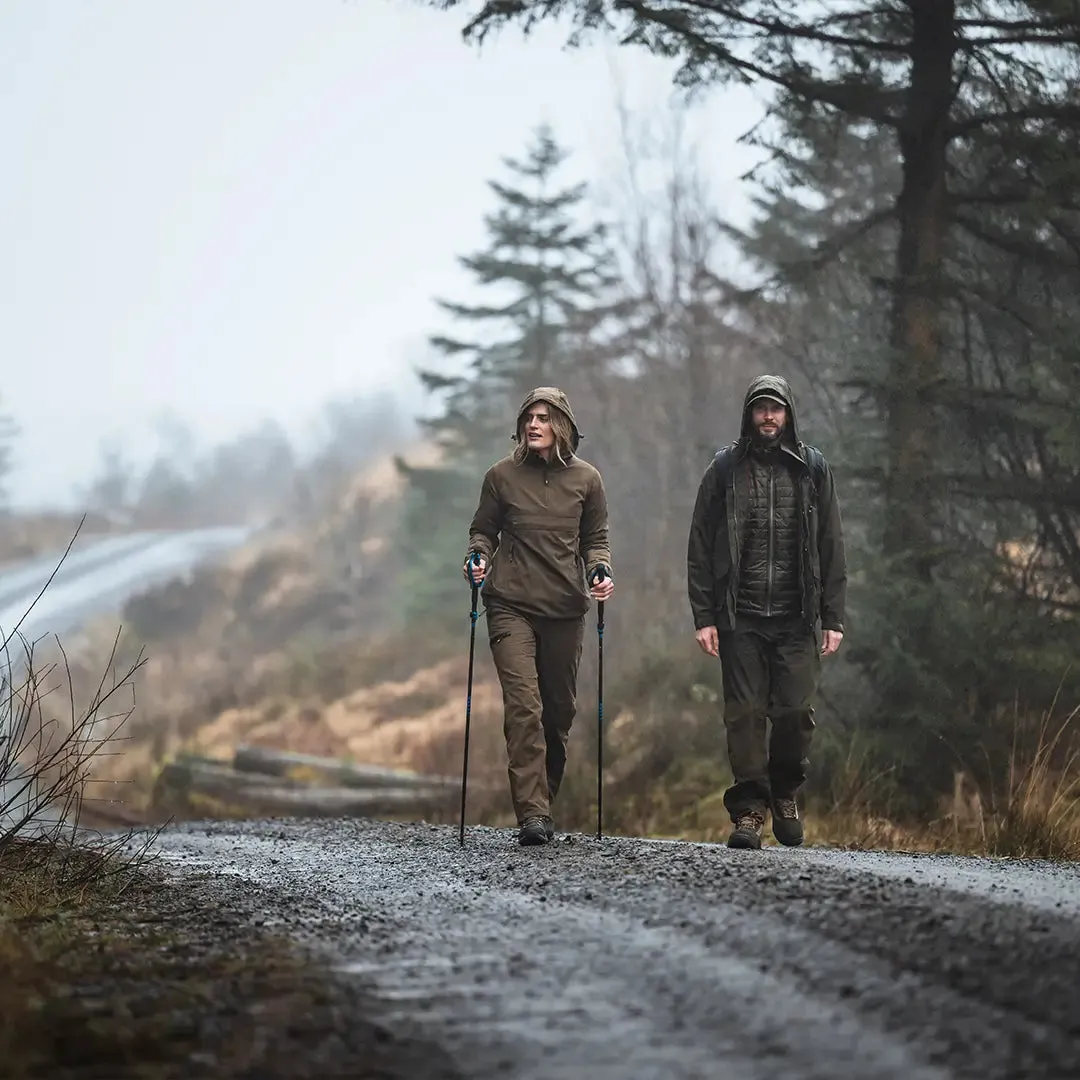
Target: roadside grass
(48, 891)
(108, 973)
(107, 969)
(54, 875)
(668, 771)
(1028, 808)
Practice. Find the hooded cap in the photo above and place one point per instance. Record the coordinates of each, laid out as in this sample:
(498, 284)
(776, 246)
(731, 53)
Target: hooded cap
(776, 388)
(554, 397)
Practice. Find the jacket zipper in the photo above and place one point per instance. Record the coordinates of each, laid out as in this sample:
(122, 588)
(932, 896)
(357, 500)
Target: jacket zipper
(771, 555)
(733, 544)
(733, 499)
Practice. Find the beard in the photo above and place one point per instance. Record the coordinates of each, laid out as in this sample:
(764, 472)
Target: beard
(769, 438)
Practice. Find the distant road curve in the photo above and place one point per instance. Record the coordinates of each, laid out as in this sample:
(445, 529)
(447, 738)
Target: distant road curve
(98, 576)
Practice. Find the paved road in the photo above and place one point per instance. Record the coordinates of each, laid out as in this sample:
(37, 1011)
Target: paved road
(639, 960)
(95, 579)
(99, 575)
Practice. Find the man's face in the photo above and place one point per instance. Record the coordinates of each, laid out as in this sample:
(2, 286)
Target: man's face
(769, 418)
(539, 435)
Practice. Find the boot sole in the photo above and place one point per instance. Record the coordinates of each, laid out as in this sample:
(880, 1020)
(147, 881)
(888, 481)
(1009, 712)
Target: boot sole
(533, 840)
(744, 843)
(789, 841)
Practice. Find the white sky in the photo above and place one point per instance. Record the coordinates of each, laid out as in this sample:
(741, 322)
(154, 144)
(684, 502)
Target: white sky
(240, 208)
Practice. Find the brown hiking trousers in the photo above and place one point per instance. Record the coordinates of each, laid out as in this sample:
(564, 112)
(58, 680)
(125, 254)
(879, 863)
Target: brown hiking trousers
(771, 668)
(537, 661)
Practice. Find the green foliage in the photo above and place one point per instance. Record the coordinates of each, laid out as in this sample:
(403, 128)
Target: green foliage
(438, 506)
(945, 700)
(917, 241)
(991, 622)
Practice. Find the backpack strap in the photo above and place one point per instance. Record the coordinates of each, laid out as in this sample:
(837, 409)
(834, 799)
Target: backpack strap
(815, 462)
(722, 460)
(814, 458)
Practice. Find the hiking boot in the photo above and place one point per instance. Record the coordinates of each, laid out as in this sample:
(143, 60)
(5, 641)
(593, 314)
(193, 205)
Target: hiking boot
(747, 832)
(533, 831)
(786, 823)
(549, 828)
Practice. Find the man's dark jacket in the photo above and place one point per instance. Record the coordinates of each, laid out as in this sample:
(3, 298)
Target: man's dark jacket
(718, 530)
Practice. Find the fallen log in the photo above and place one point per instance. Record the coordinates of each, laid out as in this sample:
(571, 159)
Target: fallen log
(184, 786)
(186, 769)
(311, 768)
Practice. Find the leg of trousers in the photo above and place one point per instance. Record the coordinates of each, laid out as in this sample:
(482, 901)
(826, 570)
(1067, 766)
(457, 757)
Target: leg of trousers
(558, 657)
(770, 668)
(537, 662)
(796, 674)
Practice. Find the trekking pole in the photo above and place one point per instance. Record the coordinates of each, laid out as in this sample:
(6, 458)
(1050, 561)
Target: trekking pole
(600, 712)
(473, 562)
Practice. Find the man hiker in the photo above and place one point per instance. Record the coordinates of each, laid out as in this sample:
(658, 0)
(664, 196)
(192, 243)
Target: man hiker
(541, 533)
(767, 579)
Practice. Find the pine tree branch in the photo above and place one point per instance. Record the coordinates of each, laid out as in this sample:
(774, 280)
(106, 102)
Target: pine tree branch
(855, 100)
(1062, 28)
(813, 31)
(1062, 200)
(1014, 245)
(1064, 114)
(868, 103)
(825, 253)
(972, 45)
(1031, 491)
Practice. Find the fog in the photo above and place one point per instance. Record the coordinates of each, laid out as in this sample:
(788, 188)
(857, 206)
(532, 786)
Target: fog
(216, 216)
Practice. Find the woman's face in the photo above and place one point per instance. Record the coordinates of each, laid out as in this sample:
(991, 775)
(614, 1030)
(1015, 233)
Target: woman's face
(539, 435)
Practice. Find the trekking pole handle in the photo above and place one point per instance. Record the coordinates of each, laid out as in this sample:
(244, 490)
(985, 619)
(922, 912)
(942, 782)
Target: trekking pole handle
(474, 563)
(598, 575)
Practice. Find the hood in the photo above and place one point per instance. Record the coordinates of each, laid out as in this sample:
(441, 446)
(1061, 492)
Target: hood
(553, 396)
(773, 386)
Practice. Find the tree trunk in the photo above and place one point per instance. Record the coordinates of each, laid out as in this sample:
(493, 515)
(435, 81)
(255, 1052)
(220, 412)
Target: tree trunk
(911, 493)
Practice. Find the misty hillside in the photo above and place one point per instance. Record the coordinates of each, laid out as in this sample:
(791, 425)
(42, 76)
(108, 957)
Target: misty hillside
(296, 642)
(906, 255)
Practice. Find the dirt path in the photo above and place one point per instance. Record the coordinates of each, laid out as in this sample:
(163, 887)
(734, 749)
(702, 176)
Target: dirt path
(636, 960)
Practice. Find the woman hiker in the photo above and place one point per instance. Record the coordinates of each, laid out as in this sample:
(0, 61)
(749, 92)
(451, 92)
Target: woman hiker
(539, 539)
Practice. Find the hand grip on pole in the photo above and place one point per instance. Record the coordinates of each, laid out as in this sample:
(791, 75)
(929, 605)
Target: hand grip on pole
(600, 574)
(474, 564)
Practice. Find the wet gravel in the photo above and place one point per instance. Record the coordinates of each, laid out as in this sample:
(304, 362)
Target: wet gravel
(636, 959)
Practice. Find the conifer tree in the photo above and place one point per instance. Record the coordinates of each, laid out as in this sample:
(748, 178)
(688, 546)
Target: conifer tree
(543, 270)
(936, 75)
(947, 657)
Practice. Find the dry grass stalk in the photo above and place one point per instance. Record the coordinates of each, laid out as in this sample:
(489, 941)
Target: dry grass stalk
(46, 761)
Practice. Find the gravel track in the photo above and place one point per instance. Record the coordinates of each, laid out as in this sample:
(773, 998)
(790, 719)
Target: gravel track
(635, 959)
